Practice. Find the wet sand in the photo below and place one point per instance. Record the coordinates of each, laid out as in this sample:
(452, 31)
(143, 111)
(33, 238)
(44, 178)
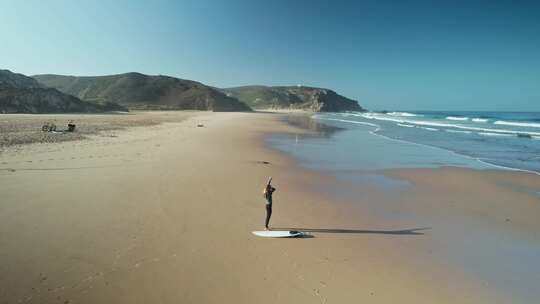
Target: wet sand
(164, 213)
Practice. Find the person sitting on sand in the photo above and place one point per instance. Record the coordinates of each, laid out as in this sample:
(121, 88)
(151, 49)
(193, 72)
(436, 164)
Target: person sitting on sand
(268, 191)
(52, 127)
(71, 126)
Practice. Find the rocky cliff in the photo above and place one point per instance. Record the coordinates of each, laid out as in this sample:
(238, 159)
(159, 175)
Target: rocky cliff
(293, 97)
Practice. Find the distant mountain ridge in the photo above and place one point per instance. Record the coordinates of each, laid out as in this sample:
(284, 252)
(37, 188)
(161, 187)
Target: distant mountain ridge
(140, 91)
(52, 93)
(293, 97)
(23, 94)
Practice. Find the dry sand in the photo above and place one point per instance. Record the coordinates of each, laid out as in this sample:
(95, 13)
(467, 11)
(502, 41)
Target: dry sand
(164, 214)
(16, 129)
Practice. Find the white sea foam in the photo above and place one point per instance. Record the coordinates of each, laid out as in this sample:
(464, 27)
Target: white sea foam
(458, 131)
(348, 121)
(457, 118)
(430, 129)
(493, 134)
(442, 125)
(518, 124)
(405, 114)
(404, 125)
(480, 119)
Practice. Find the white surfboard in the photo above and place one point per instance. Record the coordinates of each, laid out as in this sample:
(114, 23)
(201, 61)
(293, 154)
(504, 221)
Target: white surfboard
(278, 234)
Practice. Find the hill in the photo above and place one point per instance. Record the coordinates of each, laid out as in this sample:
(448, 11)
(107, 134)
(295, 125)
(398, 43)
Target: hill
(23, 94)
(293, 97)
(139, 91)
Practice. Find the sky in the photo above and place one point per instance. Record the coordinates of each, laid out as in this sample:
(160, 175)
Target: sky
(388, 55)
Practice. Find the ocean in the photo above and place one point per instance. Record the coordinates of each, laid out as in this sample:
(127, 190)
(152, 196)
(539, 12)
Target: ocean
(498, 139)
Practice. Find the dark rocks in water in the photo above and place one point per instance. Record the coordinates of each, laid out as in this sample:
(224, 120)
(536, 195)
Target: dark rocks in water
(293, 97)
(22, 94)
(144, 92)
(524, 135)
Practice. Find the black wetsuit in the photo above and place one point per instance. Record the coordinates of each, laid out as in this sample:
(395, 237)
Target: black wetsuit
(268, 197)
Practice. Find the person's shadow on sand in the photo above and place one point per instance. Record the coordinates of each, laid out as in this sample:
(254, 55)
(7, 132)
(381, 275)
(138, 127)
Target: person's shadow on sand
(413, 231)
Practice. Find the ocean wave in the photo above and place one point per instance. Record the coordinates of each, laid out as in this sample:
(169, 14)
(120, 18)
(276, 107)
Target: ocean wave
(430, 129)
(405, 114)
(517, 124)
(493, 134)
(457, 118)
(458, 131)
(347, 121)
(444, 125)
(404, 125)
(461, 129)
(480, 119)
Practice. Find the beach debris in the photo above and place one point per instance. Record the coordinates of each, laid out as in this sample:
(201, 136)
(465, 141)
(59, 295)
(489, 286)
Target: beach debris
(51, 127)
(263, 162)
(48, 127)
(200, 125)
(71, 126)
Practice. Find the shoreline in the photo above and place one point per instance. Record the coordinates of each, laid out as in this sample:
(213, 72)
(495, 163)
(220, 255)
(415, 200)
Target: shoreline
(477, 159)
(167, 212)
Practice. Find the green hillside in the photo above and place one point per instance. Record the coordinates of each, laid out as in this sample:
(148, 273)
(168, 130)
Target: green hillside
(140, 91)
(23, 94)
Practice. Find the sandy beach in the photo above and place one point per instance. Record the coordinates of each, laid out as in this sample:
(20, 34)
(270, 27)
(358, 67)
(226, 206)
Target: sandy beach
(161, 211)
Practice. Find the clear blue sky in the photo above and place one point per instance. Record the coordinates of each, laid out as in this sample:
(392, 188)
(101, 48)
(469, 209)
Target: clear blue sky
(407, 55)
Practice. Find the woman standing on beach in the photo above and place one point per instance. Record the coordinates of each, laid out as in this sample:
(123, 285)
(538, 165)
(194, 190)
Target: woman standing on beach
(268, 190)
